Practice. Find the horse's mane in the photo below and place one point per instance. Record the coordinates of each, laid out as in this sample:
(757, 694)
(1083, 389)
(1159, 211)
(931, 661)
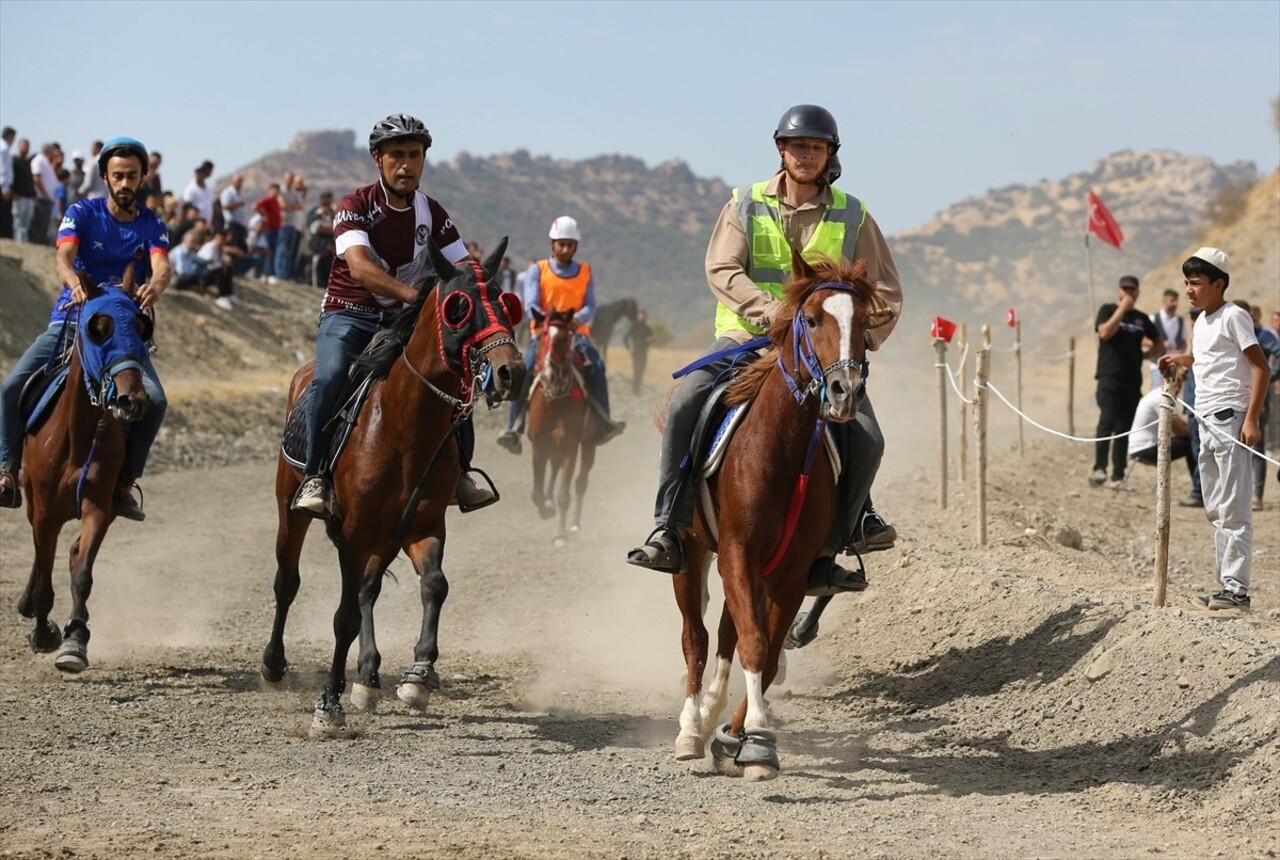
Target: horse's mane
(866, 302)
(376, 362)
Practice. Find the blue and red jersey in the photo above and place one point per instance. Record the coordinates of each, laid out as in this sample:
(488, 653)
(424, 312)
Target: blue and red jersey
(106, 245)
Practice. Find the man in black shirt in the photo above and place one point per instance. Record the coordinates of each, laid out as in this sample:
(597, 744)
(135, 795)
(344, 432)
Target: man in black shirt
(1122, 330)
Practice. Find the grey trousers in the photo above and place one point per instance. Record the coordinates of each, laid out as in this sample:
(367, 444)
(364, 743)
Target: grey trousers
(1226, 476)
(860, 441)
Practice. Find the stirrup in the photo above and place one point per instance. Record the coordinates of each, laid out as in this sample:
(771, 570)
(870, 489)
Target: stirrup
(659, 552)
(466, 509)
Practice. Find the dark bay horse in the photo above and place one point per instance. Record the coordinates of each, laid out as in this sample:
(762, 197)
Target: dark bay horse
(396, 476)
(73, 459)
(770, 519)
(562, 425)
(606, 318)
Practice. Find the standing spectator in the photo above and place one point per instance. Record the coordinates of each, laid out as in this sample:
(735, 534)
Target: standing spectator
(92, 185)
(1270, 344)
(291, 224)
(272, 215)
(62, 195)
(6, 182)
(523, 332)
(1122, 329)
(320, 240)
(259, 254)
(77, 176)
(24, 193)
(45, 176)
(639, 338)
(198, 191)
(235, 212)
(1174, 329)
(1196, 498)
(1231, 377)
(506, 276)
(151, 183)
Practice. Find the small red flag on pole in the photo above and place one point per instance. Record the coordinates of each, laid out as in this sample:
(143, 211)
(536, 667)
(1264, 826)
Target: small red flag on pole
(1011, 318)
(1103, 223)
(943, 328)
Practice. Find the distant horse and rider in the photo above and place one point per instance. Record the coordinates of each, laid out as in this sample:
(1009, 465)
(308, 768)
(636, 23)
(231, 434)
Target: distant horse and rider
(396, 469)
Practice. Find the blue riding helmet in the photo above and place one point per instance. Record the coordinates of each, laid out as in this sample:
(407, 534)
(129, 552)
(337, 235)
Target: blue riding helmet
(123, 146)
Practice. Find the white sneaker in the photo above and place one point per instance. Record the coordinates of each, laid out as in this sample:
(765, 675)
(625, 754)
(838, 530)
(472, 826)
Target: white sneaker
(1098, 478)
(225, 303)
(1121, 485)
(271, 279)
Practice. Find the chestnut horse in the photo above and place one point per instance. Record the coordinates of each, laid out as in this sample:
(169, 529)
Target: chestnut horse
(395, 478)
(771, 518)
(73, 459)
(562, 424)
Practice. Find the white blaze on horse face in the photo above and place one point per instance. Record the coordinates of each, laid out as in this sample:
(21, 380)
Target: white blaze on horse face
(840, 308)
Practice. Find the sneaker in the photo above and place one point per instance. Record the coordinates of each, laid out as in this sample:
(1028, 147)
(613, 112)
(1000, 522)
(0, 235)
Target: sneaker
(614, 429)
(1098, 478)
(1257, 504)
(225, 303)
(469, 494)
(272, 279)
(10, 492)
(1120, 485)
(1191, 502)
(312, 498)
(1225, 599)
(874, 534)
(124, 505)
(511, 441)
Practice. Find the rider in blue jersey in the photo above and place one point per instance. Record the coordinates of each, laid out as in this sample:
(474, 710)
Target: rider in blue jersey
(100, 237)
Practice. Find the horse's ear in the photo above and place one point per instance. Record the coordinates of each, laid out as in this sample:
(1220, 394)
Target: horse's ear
(127, 283)
(491, 262)
(444, 269)
(537, 314)
(91, 290)
(800, 267)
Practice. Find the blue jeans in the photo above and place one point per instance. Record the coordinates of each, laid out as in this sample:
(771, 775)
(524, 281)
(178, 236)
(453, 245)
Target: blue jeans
(341, 336)
(597, 383)
(272, 238)
(139, 438)
(286, 252)
(1193, 424)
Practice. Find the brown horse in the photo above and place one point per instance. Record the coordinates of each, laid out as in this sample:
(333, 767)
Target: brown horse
(396, 476)
(73, 459)
(773, 504)
(562, 424)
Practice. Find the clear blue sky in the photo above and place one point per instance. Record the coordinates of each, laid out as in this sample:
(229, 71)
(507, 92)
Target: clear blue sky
(936, 101)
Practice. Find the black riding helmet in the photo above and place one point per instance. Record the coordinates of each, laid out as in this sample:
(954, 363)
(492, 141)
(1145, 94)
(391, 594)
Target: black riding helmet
(809, 121)
(396, 126)
(122, 146)
(833, 169)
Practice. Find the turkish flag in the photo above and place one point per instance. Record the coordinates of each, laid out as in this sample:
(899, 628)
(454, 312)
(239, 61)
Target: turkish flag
(943, 328)
(1103, 223)
(1011, 319)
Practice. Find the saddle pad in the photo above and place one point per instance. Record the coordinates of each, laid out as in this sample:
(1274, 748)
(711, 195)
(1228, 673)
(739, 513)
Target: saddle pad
(53, 387)
(293, 442)
(720, 443)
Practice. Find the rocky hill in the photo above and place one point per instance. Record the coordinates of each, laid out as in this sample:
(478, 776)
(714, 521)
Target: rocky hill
(1023, 245)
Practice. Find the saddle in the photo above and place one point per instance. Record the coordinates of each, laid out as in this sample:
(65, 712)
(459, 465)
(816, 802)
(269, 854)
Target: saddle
(360, 379)
(41, 390)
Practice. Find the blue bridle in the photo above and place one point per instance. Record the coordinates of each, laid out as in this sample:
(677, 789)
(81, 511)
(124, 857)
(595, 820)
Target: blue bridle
(803, 354)
(124, 349)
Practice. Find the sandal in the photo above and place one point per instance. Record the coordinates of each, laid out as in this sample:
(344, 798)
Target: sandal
(661, 552)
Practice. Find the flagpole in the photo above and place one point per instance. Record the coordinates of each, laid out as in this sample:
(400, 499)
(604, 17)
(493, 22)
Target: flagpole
(1088, 254)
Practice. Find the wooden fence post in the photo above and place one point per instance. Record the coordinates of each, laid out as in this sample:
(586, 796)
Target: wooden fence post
(1071, 387)
(1164, 440)
(940, 347)
(1017, 357)
(980, 430)
(964, 407)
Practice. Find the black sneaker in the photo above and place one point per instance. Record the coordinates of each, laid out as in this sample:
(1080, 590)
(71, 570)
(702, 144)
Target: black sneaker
(1191, 502)
(614, 429)
(511, 441)
(1225, 599)
(826, 577)
(874, 534)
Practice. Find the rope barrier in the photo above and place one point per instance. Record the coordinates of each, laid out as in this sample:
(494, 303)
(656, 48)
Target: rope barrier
(1059, 357)
(1013, 348)
(1215, 431)
(1037, 424)
(952, 379)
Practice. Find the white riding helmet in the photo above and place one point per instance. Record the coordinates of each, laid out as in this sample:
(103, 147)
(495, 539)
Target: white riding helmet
(565, 227)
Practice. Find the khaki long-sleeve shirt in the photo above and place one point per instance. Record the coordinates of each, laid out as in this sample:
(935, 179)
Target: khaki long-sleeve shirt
(729, 252)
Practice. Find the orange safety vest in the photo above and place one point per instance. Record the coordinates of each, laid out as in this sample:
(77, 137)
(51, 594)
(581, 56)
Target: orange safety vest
(561, 294)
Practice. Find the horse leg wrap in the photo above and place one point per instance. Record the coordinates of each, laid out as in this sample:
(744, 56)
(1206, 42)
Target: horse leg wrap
(758, 746)
(421, 673)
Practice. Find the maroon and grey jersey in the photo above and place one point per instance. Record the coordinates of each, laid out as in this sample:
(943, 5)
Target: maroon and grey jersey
(396, 239)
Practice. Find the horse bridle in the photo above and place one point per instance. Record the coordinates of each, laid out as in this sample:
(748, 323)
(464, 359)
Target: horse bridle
(803, 354)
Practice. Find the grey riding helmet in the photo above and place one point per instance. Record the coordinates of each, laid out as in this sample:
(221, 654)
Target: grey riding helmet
(398, 126)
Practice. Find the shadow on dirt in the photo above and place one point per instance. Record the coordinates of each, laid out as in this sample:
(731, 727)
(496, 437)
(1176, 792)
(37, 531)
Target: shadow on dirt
(581, 732)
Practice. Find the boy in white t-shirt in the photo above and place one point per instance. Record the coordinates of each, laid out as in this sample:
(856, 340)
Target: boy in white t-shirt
(1231, 382)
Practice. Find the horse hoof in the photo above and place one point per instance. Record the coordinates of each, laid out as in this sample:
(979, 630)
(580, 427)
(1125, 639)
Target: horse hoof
(44, 638)
(690, 747)
(272, 675)
(560, 541)
(759, 772)
(547, 512)
(325, 724)
(365, 698)
(573, 530)
(416, 696)
(72, 657)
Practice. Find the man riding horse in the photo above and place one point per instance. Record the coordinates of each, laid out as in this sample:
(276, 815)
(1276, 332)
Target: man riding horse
(748, 259)
(101, 237)
(380, 232)
(561, 283)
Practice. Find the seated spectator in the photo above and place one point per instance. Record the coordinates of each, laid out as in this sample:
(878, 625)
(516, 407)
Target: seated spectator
(219, 256)
(188, 219)
(1144, 440)
(186, 262)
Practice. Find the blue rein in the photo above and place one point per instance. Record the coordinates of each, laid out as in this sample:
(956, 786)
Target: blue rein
(803, 353)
